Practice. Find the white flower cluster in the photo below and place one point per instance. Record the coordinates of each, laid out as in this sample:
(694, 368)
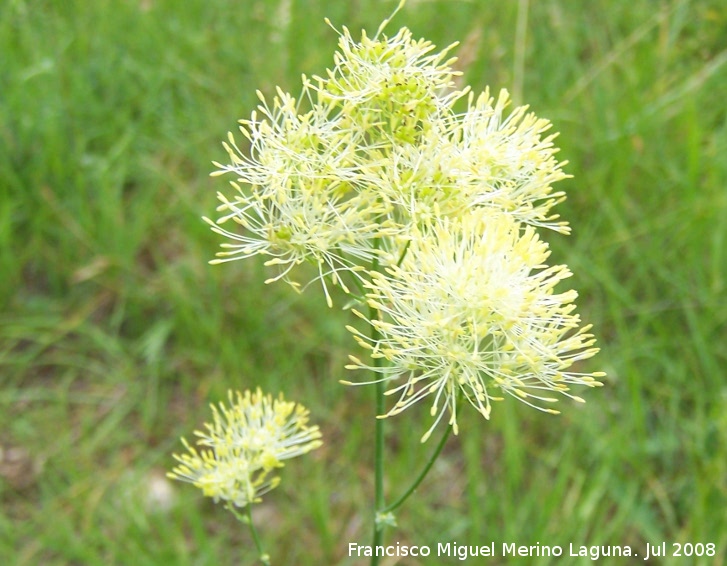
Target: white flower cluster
(376, 178)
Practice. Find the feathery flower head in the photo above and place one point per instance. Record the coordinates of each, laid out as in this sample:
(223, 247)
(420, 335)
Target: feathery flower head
(391, 87)
(243, 444)
(302, 199)
(471, 311)
(505, 162)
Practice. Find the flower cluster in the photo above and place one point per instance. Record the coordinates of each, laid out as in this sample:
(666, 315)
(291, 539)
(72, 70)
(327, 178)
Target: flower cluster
(244, 444)
(375, 176)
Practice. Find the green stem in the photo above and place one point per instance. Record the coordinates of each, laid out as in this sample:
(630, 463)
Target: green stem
(247, 519)
(379, 502)
(422, 475)
(264, 557)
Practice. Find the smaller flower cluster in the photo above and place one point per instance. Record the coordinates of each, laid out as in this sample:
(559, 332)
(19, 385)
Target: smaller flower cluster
(243, 445)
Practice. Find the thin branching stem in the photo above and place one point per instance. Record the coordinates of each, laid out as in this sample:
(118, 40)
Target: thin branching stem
(423, 473)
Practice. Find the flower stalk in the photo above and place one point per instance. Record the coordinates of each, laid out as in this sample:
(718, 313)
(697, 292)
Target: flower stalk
(247, 520)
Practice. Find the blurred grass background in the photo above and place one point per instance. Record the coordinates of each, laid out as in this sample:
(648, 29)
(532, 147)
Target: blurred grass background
(115, 334)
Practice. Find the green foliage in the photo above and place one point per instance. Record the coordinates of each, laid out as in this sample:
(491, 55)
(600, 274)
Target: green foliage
(115, 334)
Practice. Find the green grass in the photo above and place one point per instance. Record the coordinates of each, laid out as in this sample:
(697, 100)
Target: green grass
(115, 334)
